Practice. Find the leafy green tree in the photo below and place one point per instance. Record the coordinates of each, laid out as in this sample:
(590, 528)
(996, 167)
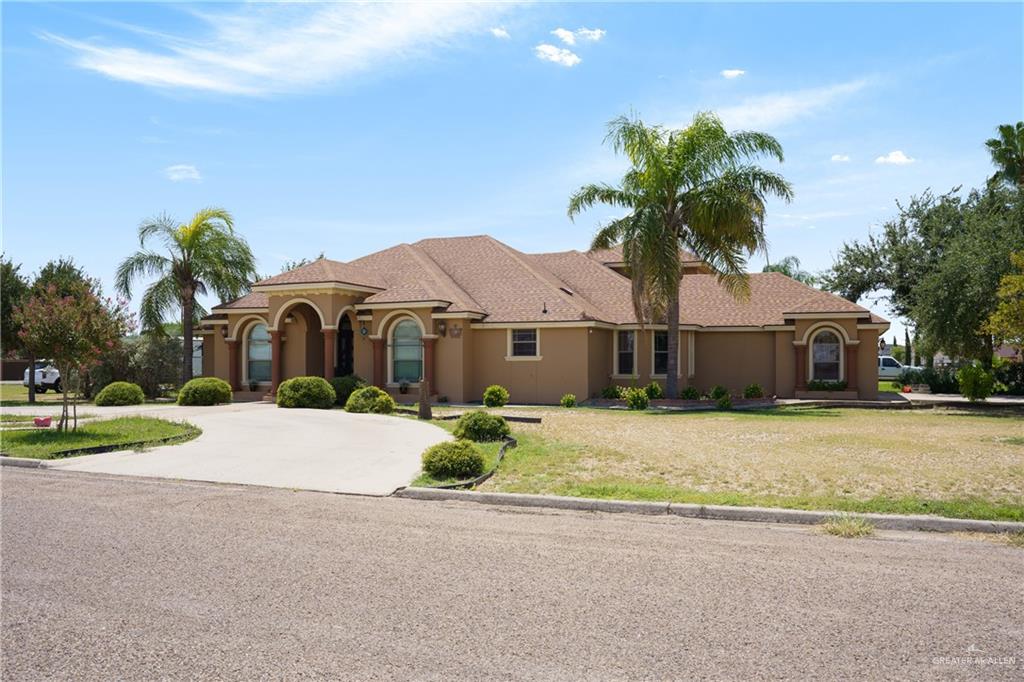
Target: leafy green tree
(13, 291)
(790, 267)
(202, 255)
(1006, 323)
(694, 189)
(1007, 152)
(68, 278)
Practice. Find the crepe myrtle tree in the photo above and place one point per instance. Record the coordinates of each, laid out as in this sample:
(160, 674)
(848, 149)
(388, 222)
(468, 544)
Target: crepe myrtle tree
(202, 255)
(74, 328)
(696, 188)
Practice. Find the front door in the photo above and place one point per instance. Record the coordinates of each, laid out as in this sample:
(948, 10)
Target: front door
(344, 365)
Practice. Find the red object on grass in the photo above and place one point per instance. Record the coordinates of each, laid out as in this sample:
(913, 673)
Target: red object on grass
(906, 389)
(42, 422)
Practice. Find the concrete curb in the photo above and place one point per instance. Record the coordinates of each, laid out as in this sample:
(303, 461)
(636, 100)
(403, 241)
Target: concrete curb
(22, 462)
(717, 512)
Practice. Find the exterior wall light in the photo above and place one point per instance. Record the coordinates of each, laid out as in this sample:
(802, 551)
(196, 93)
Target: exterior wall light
(442, 327)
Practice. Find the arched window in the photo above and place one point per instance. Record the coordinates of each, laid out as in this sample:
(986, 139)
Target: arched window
(826, 351)
(406, 352)
(258, 353)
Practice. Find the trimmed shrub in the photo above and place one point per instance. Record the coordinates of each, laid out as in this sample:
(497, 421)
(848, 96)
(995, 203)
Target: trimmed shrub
(205, 391)
(941, 380)
(459, 459)
(654, 391)
(724, 402)
(314, 392)
(343, 387)
(481, 426)
(495, 396)
(1010, 375)
(717, 392)
(689, 393)
(821, 385)
(636, 399)
(753, 392)
(370, 399)
(909, 377)
(613, 392)
(568, 400)
(120, 393)
(975, 382)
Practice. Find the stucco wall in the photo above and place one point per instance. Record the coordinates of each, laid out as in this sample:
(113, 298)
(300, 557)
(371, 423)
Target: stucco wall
(867, 364)
(785, 366)
(599, 356)
(562, 369)
(734, 360)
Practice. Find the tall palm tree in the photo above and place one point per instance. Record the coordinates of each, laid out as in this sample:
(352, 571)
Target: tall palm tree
(694, 189)
(203, 254)
(1007, 152)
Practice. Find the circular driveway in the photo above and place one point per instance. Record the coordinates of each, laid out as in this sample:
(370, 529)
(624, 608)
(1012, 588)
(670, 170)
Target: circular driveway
(260, 444)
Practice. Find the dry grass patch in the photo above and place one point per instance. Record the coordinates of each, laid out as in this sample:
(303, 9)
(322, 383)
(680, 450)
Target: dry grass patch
(846, 526)
(805, 458)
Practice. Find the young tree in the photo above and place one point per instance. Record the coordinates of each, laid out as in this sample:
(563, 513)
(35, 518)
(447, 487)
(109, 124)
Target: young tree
(202, 255)
(72, 329)
(695, 189)
(1007, 152)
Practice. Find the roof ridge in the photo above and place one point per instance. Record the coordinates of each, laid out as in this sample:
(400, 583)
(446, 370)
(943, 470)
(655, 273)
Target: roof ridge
(442, 278)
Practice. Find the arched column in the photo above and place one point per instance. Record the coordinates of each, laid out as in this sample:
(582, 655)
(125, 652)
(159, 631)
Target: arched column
(378, 362)
(329, 336)
(275, 360)
(428, 359)
(233, 364)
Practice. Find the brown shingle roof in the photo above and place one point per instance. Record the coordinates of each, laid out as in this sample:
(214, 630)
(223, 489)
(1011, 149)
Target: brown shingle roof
(482, 275)
(614, 255)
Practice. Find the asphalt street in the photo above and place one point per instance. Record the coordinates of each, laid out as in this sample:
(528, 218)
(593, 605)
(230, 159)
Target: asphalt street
(108, 577)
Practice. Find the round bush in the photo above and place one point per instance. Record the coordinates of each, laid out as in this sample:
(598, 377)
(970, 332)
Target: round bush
(613, 392)
(343, 387)
(654, 391)
(315, 392)
(717, 392)
(636, 399)
(481, 426)
(205, 391)
(724, 402)
(495, 396)
(370, 399)
(689, 393)
(753, 392)
(975, 382)
(568, 400)
(120, 393)
(458, 459)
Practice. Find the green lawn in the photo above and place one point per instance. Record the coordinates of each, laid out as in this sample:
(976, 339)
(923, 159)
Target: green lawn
(120, 432)
(943, 462)
(16, 394)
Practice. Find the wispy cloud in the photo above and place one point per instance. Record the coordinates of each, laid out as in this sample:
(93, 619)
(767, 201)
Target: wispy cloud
(500, 32)
(840, 158)
(776, 109)
(570, 37)
(183, 172)
(895, 158)
(271, 49)
(732, 73)
(558, 55)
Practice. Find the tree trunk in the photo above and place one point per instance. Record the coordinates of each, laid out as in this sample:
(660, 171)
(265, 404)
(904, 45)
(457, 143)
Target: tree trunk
(187, 306)
(32, 377)
(908, 354)
(62, 425)
(672, 323)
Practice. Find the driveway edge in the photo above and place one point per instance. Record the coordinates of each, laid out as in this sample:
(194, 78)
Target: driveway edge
(714, 512)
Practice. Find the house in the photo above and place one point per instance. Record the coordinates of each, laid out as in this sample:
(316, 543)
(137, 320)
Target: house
(468, 312)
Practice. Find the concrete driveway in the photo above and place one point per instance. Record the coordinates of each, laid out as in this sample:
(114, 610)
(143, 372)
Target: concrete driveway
(260, 444)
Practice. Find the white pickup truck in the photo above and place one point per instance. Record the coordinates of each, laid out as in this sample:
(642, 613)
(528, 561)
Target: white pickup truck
(46, 376)
(891, 368)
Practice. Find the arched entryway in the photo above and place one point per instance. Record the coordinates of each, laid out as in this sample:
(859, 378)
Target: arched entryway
(345, 358)
(301, 341)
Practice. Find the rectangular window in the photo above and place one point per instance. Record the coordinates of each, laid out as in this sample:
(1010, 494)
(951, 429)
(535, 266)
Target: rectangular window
(524, 343)
(661, 352)
(626, 351)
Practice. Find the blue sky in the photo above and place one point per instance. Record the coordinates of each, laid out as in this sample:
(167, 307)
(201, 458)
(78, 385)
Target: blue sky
(348, 128)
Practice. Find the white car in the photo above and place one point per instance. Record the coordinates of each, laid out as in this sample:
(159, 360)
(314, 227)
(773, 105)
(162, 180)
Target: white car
(46, 376)
(891, 368)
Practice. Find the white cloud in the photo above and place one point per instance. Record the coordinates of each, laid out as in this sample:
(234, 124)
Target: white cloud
(570, 37)
(182, 172)
(558, 55)
(896, 158)
(732, 73)
(500, 32)
(841, 158)
(264, 49)
(776, 109)
(567, 37)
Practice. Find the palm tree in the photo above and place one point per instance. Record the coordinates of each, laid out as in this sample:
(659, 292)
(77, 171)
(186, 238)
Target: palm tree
(1007, 152)
(202, 255)
(692, 189)
(790, 267)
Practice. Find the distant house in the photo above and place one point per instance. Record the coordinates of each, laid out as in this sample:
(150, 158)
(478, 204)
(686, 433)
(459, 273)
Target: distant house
(467, 312)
